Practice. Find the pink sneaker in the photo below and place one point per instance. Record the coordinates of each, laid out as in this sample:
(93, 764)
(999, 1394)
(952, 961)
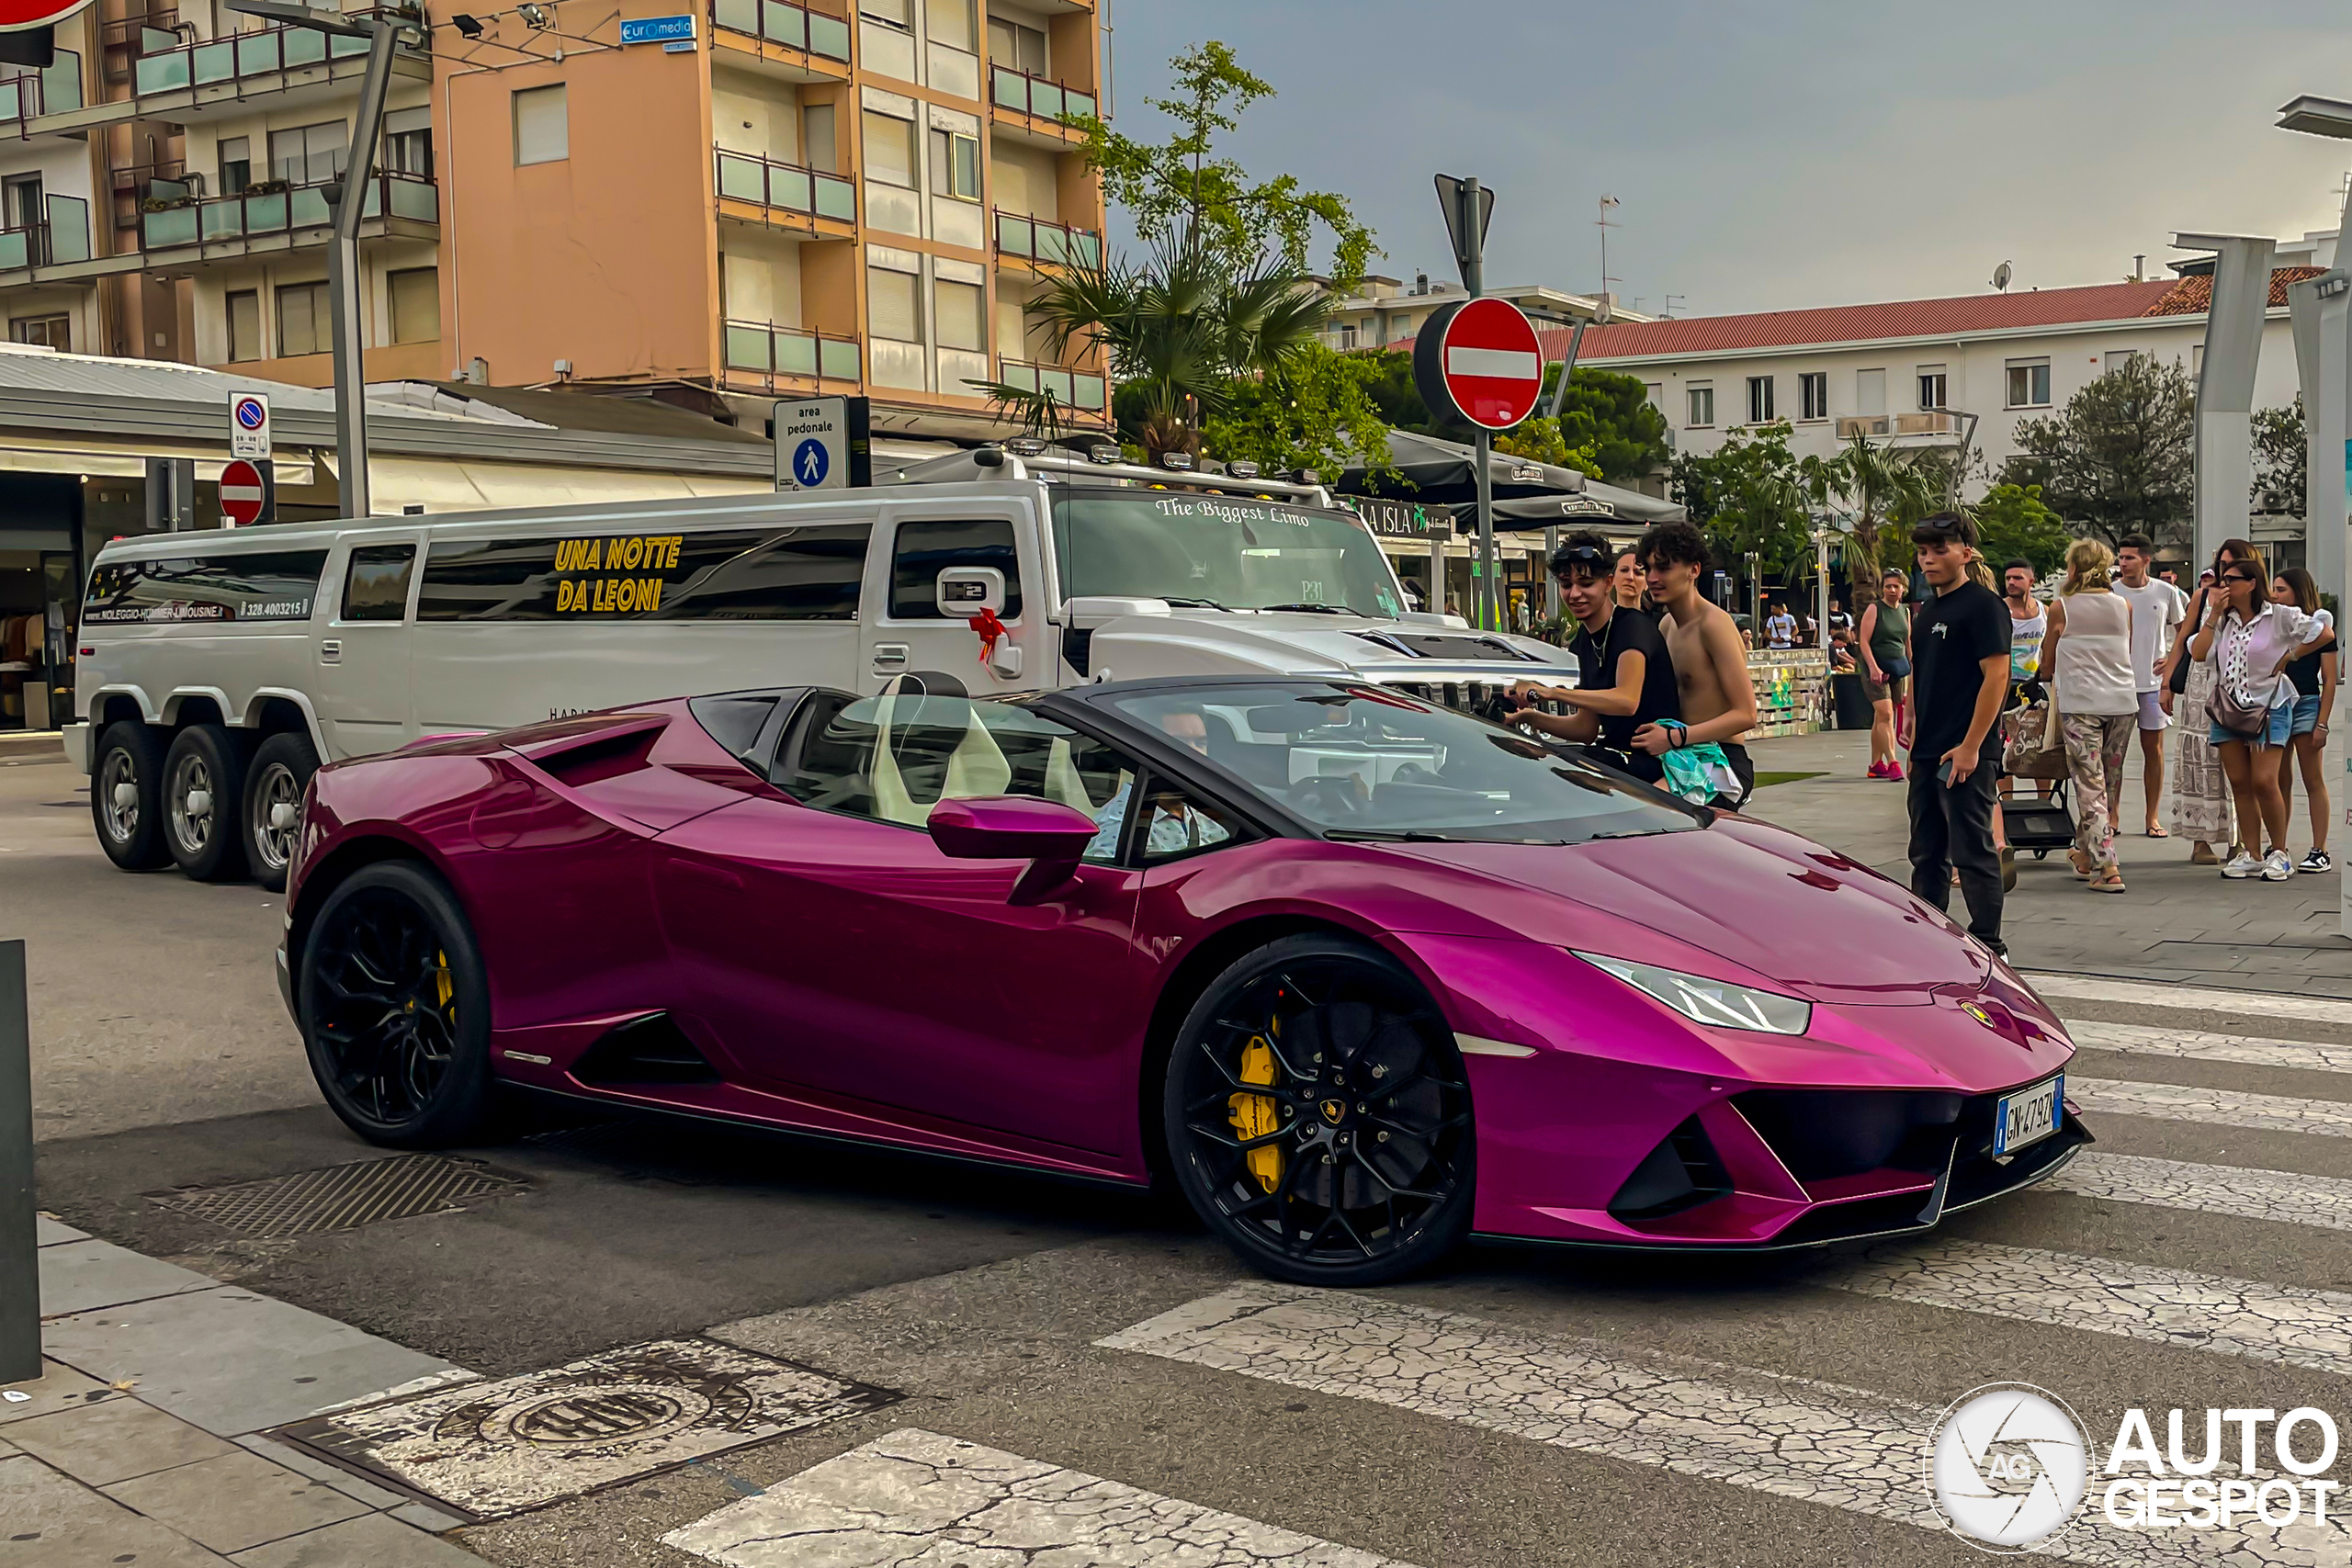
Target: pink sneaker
(1877, 771)
(1893, 773)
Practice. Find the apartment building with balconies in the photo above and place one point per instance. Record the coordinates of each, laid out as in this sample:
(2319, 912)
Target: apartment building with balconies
(854, 196)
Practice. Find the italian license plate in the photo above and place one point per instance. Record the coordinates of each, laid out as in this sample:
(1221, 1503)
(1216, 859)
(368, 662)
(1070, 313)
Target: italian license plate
(2027, 1117)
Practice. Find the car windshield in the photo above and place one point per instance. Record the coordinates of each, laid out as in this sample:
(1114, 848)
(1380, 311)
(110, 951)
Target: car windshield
(1222, 552)
(1363, 763)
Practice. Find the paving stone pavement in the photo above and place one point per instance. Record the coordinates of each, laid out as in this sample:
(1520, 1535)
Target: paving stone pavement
(2178, 923)
(141, 1440)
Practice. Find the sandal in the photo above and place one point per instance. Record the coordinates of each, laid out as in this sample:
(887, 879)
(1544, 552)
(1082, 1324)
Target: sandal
(2203, 855)
(2158, 831)
(2082, 863)
(2111, 883)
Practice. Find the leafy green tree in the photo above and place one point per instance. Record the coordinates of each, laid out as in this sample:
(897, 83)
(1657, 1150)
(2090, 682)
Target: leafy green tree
(1394, 392)
(1748, 497)
(2281, 459)
(2118, 458)
(1885, 488)
(1609, 414)
(1181, 190)
(1539, 440)
(2011, 522)
(1315, 411)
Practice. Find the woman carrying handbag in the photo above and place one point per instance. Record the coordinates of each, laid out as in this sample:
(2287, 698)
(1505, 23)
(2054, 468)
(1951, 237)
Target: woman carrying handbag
(2251, 707)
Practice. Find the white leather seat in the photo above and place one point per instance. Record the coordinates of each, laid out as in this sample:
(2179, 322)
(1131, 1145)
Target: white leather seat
(976, 766)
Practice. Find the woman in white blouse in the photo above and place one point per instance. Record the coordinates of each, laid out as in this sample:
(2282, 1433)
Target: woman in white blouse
(2248, 645)
(2089, 648)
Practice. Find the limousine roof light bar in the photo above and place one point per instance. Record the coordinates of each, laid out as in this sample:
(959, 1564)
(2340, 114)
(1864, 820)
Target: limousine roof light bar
(1060, 465)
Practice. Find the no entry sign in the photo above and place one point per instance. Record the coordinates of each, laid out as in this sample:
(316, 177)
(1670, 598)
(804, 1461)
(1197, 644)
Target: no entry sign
(15, 16)
(245, 493)
(1479, 363)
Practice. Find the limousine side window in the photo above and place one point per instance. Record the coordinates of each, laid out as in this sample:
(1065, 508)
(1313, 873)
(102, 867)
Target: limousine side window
(756, 574)
(925, 549)
(245, 585)
(375, 585)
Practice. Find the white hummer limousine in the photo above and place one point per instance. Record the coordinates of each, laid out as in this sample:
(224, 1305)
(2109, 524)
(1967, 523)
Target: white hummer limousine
(217, 670)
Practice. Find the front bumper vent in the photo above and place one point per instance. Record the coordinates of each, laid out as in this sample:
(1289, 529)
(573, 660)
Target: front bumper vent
(1681, 1173)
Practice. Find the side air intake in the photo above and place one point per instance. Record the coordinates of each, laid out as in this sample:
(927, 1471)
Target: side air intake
(1681, 1173)
(651, 1049)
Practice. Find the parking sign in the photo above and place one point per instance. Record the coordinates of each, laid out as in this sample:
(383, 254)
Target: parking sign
(249, 426)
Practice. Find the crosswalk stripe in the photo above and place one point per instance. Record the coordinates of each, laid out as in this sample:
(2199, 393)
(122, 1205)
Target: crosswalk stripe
(916, 1497)
(1794, 1438)
(2322, 1202)
(2202, 1045)
(2289, 1324)
(2217, 1107)
(2198, 999)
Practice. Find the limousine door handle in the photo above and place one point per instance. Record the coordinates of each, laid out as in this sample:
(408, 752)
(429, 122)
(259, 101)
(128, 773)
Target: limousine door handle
(331, 651)
(889, 655)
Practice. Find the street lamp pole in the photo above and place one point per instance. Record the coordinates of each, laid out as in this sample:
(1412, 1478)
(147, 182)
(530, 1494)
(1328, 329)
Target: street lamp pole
(350, 205)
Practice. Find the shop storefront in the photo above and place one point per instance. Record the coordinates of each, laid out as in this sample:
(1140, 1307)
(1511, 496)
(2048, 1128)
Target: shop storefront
(41, 552)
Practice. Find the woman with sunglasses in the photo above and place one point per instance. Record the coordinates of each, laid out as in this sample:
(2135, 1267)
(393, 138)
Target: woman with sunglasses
(2198, 807)
(1886, 669)
(2315, 675)
(2249, 646)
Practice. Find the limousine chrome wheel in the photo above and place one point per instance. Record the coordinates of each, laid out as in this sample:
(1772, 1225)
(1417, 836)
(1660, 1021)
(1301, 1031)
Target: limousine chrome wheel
(204, 779)
(273, 806)
(125, 796)
(395, 1010)
(1318, 1117)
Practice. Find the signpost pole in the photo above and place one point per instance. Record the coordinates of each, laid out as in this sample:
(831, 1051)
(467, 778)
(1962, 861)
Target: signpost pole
(1474, 281)
(19, 1260)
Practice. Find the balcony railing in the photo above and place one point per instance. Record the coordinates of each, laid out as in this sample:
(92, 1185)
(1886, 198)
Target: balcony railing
(265, 211)
(1025, 93)
(63, 236)
(1927, 421)
(237, 55)
(1041, 239)
(795, 26)
(1078, 388)
(53, 89)
(766, 349)
(744, 177)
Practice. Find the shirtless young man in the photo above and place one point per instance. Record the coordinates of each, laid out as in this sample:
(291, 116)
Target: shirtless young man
(1710, 661)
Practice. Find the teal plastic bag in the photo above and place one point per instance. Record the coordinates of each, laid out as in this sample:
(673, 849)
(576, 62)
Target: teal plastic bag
(1699, 774)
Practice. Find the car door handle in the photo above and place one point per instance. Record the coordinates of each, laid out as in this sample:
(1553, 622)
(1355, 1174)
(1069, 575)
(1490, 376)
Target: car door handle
(889, 655)
(331, 651)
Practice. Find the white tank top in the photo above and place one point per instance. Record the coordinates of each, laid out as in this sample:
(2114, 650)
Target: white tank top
(2094, 656)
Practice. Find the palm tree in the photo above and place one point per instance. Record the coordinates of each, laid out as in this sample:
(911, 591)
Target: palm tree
(1884, 485)
(1181, 329)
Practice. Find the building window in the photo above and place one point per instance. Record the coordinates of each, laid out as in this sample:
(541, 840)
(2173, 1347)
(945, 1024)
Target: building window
(1016, 47)
(1759, 399)
(817, 143)
(2117, 358)
(959, 314)
(542, 125)
(1813, 394)
(1399, 327)
(955, 165)
(950, 22)
(1656, 392)
(890, 149)
(892, 309)
(236, 163)
(416, 304)
(1870, 392)
(899, 14)
(2029, 384)
(305, 319)
(1931, 387)
(311, 154)
(1703, 406)
(244, 324)
(49, 331)
(408, 142)
(1347, 334)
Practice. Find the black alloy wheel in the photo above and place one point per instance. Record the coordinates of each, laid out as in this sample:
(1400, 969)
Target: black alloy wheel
(1317, 1116)
(272, 817)
(396, 1009)
(127, 795)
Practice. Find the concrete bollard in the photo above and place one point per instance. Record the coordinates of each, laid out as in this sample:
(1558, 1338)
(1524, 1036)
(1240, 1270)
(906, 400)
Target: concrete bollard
(19, 1269)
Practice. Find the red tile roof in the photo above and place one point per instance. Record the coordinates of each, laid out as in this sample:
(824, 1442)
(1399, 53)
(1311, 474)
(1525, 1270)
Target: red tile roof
(2194, 295)
(1857, 323)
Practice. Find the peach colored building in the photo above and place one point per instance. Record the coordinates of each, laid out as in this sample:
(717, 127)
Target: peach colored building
(859, 196)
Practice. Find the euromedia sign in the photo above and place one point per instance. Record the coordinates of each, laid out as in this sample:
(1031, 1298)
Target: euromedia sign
(2010, 1467)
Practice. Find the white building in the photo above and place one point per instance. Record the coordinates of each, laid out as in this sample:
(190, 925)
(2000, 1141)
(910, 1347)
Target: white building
(1906, 371)
(1384, 312)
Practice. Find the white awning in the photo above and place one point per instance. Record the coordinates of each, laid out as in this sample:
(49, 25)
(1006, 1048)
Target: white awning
(397, 483)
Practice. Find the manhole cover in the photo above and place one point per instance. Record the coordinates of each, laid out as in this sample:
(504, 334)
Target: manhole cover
(343, 1196)
(500, 1448)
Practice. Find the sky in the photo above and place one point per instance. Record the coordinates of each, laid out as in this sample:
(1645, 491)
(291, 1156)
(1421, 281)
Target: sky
(1783, 155)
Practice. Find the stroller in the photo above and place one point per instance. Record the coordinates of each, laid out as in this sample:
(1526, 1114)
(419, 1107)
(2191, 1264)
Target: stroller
(2031, 749)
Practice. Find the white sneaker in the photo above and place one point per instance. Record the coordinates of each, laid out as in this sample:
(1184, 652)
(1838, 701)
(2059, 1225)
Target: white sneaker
(2317, 861)
(2241, 866)
(2276, 867)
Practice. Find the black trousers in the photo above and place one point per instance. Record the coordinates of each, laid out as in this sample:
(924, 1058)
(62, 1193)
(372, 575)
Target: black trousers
(1954, 828)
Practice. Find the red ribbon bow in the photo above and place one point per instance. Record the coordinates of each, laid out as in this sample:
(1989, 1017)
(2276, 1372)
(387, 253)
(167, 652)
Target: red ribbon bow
(988, 628)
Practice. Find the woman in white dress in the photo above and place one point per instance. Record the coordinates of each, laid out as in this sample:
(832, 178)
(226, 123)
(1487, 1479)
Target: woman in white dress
(2200, 807)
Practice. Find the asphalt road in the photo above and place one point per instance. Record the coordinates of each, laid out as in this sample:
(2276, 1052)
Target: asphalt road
(1514, 1407)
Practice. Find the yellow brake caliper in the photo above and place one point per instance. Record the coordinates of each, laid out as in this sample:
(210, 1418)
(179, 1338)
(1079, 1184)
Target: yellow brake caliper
(1255, 1115)
(442, 988)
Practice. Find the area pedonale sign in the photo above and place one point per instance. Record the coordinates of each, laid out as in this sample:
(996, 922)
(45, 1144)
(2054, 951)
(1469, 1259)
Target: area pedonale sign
(18, 16)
